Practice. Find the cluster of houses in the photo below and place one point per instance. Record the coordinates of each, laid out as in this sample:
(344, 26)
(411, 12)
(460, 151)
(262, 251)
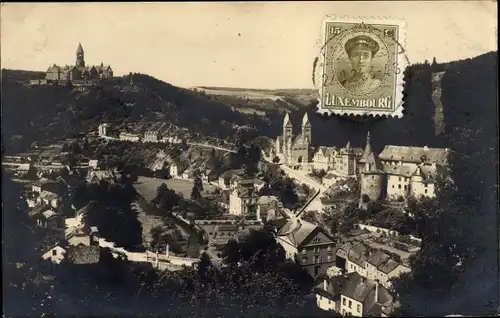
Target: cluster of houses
(154, 134)
(362, 286)
(48, 201)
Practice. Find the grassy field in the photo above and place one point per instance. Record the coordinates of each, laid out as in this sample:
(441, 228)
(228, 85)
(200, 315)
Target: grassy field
(147, 186)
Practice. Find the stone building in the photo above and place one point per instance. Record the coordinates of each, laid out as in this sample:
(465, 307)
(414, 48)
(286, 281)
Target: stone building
(295, 149)
(308, 244)
(243, 200)
(400, 171)
(79, 72)
(299, 149)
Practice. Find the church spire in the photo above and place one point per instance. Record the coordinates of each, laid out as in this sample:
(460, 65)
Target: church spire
(348, 146)
(80, 59)
(287, 121)
(368, 148)
(305, 120)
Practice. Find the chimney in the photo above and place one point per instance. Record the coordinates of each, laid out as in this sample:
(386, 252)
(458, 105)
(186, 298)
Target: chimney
(325, 284)
(376, 291)
(167, 249)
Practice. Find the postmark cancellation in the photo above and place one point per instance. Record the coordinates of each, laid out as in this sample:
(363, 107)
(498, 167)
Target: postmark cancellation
(361, 66)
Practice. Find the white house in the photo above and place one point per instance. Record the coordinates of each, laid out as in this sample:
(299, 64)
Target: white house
(93, 163)
(362, 297)
(125, 136)
(177, 168)
(55, 254)
(49, 198)
(243, 201)
(103, 129)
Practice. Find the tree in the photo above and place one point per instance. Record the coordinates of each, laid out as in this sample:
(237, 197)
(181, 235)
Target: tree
(231, 252)
(198, 183)
(195, 193)
(80, 195)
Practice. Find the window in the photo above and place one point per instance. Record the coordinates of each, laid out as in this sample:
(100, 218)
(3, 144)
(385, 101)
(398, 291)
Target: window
(358, 308)
(406, 187)
(393, 186)
(350, 304)
(425, 191)
(329, 302)
(343, 301)
(304, 260)
(54, 252)
(303, 251)
(316, 240)
(329, 258)
(399, 186)
(425, 185)
(399, 178)
(329, 248)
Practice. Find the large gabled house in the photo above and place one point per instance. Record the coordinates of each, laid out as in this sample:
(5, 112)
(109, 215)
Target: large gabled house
(309, 244)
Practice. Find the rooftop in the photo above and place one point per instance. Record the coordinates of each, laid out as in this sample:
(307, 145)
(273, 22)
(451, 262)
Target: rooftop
(414, 154)
(297, 231)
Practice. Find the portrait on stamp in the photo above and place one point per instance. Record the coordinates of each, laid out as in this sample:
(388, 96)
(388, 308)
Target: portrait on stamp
(362, 72)
(360, 51)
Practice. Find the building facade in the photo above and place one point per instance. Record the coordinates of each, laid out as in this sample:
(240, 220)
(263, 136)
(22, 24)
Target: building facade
(243, 200)
(400, 171)
(79, 71)
(299, 149)
(308, 244)
(368, 263)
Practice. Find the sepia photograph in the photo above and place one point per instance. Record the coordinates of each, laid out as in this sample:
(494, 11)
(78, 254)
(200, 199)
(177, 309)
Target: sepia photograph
(250, 159)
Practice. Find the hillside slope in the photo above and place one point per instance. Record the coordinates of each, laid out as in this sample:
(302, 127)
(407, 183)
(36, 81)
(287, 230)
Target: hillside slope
(46, 112)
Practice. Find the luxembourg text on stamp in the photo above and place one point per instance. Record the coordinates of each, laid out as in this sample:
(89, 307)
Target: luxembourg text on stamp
(361, 67)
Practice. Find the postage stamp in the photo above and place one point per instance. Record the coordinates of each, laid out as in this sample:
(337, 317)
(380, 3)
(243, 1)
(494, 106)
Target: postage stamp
(361, 67)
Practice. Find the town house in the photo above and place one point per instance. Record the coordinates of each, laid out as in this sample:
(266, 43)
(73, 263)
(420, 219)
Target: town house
(43, 185)
(362, 297)
(48, 198)
(309, 244)
(55, 254)
(243, 200)
(50, 219)
(370, 263)
(177, 168)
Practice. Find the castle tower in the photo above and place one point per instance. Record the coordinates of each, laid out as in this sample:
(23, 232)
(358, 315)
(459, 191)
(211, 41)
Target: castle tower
(306, 128)
(348, 167)
(80, 58)
(372, 174)
(416, 180)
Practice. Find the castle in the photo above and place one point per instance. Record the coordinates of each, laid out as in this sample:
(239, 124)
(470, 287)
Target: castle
(78, 72)
(398, 171)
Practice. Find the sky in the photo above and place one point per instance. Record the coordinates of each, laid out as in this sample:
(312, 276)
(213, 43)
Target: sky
(252, 45)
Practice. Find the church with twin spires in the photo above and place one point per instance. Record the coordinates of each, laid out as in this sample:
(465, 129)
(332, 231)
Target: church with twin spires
(78, 72)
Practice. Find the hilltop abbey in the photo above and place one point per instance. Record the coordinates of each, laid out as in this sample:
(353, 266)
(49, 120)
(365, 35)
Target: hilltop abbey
(78, 72)
(396, 172)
